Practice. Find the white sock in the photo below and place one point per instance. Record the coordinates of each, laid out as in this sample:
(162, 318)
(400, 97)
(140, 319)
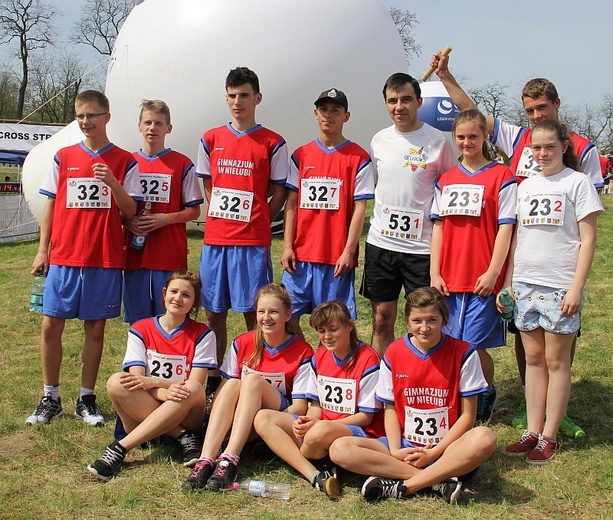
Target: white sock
(86, 391)
(52, 390)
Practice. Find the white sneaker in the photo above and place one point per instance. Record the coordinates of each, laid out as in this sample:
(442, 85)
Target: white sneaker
(88, 411)
(47, 409)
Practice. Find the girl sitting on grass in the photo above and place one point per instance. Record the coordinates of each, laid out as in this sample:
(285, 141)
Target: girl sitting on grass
(161, 390)
(266, 368)
(342, 393)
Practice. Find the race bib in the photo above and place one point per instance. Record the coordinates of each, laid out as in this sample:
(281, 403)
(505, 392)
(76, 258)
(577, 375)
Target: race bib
(337, 395)
(155, 187)
(276, 379)
(87, 193)
(424, 426)
(542, 209)
(317, 193)
(462, 199)
(527, 166)
(402, 223)
(231, 204)
(171, 368)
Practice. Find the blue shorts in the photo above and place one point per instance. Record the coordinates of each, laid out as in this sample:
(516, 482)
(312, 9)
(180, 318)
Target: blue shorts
(538, 306)
(312, 284)
(475, 320)
(407, 444)
(232, 275)
(142, 294)
(87, 293)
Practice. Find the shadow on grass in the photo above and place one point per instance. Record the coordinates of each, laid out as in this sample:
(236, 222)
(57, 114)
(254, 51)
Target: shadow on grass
(591, 407)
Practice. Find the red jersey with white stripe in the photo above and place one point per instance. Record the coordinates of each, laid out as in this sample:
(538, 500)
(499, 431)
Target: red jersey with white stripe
(472, 206)
(426, 389)
(285, 367)
(328, 181)
(515, 142)
(86, 229)
(341, 392)
(241, 167)
(169, 182)
(170, 356)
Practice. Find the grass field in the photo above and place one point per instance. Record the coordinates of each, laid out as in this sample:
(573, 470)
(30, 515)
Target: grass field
(43, 471)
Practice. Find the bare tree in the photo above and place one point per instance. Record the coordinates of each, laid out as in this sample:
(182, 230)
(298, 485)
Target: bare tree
(9, 86)
(30, 23)
(55, 84)
(593, 120)
(491, 99)
(100, 23)
(405, 21)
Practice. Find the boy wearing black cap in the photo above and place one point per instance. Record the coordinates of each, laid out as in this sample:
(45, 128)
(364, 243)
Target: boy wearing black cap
(329, 182)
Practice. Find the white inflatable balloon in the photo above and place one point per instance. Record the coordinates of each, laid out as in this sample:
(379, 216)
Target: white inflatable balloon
(181, 51)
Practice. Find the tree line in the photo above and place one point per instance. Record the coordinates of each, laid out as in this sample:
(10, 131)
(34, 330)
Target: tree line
(42, 86)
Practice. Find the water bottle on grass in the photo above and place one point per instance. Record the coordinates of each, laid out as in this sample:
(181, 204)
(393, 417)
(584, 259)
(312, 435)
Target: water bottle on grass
(259, 488)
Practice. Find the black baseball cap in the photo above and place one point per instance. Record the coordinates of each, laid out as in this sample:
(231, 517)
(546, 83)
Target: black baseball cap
(335, 95)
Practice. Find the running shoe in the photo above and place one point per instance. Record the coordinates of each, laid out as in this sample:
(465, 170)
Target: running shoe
(376, 488)
(545, 450)
(201, 473)
(47, 409)
(223, 476)
(449, 489)
(524, 445)
(191, 448)
(87, 411)
(327, 482)
(109, 465)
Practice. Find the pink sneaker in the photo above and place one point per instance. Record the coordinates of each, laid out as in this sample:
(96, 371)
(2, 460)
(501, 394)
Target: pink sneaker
(525, 445)
(545, 450)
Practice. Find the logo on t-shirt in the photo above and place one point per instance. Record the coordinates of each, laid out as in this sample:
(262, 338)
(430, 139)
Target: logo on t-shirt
(415, 159)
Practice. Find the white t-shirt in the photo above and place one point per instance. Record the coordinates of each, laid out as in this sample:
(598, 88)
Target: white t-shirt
(407, 166)
(505, 137)
(548, 240)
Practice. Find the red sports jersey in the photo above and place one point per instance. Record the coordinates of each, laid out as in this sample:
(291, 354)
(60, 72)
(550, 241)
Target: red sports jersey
(328, 182)
(472, 206)
(285, 367)
(241, 167)
(605, 165)
(342, 394)
(86, 229)
(426, 389)
(170, 356)
(169, 182)
(522, 148)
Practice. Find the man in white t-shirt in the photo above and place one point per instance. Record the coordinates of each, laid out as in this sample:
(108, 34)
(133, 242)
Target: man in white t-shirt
(408, 158)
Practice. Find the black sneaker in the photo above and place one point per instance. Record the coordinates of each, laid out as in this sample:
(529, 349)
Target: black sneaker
(191, 447)
(327, 482)
(485, 405)
(87, 411)
(197, 480)
(449, 489)
(107, 466)
(47, 409)
(376, 488)
(223, 476)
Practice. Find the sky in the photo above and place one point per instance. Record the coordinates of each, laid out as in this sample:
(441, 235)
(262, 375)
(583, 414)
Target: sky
(508, 42)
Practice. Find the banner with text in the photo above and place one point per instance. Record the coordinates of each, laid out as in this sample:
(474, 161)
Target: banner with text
(15, 136)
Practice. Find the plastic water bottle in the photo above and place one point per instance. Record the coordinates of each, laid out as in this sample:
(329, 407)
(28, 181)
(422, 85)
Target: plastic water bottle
(259, 488)
(38, 287)
(138, 241)
(509, 304)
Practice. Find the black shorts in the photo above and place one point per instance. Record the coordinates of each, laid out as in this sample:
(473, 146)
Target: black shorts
(386, 272)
